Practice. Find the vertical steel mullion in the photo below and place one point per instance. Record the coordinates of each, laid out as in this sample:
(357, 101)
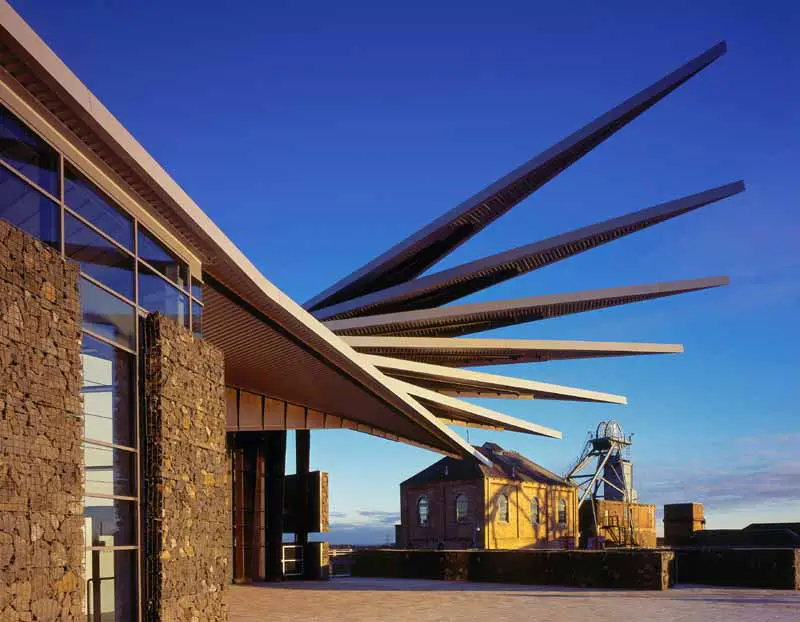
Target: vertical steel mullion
(190, 298)
(137, 390)
(61, 202)
(136, 268)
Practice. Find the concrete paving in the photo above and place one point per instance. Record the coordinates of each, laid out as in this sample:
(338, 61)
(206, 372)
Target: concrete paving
(345, 599)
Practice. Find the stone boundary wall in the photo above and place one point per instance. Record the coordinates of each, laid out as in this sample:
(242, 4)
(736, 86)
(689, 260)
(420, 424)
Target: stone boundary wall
(761, 568)
(633, 570)
(187, 494)
(41, 479)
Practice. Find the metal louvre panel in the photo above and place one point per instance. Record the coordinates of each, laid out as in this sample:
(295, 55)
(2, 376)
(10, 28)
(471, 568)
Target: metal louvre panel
(471, 318)
(470, 352)
(419, 251)
(443, 287)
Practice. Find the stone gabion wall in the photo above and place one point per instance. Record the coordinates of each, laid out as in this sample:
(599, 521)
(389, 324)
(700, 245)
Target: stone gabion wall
(187, 493)
(41, 485)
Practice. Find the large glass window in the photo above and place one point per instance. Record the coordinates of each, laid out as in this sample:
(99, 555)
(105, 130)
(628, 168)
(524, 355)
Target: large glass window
(27, 208)
(107, 316)
(109, 522)
(502, 508)
(423, 509)
(99, 258)
(462, 507)
(197, 290)
(562, 512)
(90, 202)
(29, 154)
(111, 592)
(155, 294)
(108, 393)
(197, 319)
(162, 260)
(110, 471)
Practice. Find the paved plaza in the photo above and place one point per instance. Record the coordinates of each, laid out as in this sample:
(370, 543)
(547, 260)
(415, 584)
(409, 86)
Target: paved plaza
(345, 599)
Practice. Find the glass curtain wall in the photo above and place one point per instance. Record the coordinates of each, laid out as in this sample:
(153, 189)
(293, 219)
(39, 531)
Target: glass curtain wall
(125, 273)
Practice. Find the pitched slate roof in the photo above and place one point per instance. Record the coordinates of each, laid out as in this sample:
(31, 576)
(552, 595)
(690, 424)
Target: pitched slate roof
(504, 464)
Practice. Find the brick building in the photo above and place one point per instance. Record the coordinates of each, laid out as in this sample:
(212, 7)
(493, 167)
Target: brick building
(619, 523)
(512, 504)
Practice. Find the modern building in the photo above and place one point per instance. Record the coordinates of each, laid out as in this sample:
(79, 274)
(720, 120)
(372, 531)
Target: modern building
(151, 372)
(512, 503)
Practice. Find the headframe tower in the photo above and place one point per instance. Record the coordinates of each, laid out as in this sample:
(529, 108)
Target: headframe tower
(604, 471)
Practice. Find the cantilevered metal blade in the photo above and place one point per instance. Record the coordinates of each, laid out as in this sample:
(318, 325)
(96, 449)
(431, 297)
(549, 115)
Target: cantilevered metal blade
(469, 352)
(421, 250)
(448, 285)
(472, 318)
(464, 383)
(458, 412)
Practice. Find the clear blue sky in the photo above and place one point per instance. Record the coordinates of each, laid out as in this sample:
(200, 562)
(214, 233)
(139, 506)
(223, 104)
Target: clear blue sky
(317, 136)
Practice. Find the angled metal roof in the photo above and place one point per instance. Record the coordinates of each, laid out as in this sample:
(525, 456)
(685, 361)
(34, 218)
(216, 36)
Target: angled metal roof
(463, 383)
(459, 412)
(471, 352)
(421, 250)
(261, 331)
(472, 318)
(448, 285)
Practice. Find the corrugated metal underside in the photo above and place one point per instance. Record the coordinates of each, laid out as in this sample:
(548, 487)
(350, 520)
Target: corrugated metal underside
(466, 319)
(443, 287)
(452, 352)
(261, 359)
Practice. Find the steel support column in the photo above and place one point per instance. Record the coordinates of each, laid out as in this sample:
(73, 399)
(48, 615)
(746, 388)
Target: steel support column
(274, 499)
(303, 458)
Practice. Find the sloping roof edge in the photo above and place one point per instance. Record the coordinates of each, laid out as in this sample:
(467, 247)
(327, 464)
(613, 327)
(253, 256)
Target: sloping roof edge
(187, 217)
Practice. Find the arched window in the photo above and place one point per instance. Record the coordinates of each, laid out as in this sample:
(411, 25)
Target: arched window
(535, 511)
(502, 508)
(562, 512)
(422, 511)
(462, 505)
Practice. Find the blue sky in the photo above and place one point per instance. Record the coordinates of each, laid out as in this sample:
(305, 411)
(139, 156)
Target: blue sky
(317, 136)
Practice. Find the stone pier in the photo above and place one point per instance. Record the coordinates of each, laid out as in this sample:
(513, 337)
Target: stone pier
(41, 485)
(186, 496)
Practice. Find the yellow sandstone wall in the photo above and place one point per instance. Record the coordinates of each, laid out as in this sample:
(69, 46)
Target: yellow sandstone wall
(520, 532)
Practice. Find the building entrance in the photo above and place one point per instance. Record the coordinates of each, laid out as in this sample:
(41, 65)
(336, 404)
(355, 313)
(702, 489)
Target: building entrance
(268, 505)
